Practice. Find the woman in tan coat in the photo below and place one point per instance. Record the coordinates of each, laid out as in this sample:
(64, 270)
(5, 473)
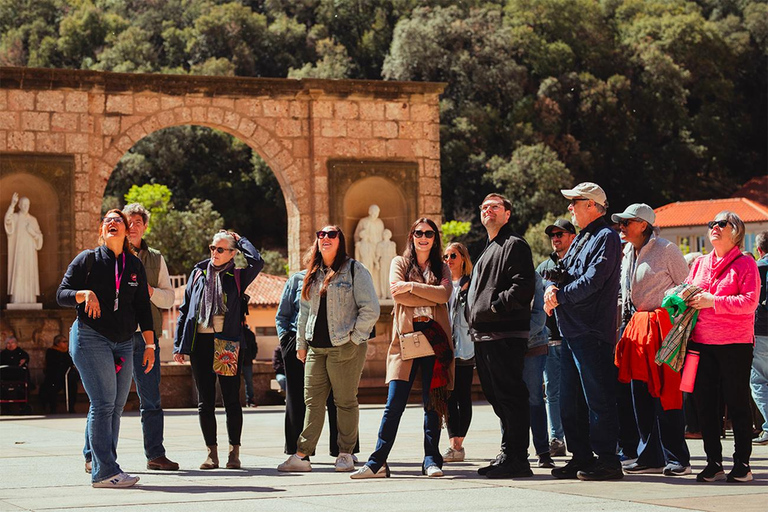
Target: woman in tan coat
(421, 286)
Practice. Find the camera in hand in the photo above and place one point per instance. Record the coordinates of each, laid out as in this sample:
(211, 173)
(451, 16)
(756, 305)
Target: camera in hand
(556, 274)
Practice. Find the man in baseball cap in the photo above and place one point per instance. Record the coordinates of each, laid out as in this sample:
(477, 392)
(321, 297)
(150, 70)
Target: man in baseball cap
(585, 302)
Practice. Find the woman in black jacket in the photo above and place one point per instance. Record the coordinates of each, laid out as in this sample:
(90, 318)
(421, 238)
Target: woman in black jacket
(108, 287)
(209, 331)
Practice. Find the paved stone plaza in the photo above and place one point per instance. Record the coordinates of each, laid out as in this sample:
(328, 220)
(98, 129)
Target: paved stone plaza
(41, 469)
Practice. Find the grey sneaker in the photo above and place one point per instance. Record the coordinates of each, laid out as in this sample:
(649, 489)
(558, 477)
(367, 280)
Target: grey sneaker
(367, 472)
(344, 462)
(295, 464)
(640, 469)
(451, 455)
(762, 438)
(674, 469)
(120, 480)
(557, 448)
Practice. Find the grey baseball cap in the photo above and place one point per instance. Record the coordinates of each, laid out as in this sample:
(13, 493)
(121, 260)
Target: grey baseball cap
(560, 224)
(636, 211)
(587, 190)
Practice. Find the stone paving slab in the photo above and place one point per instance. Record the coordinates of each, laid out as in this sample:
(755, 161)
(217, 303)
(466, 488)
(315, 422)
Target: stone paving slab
(41, 469)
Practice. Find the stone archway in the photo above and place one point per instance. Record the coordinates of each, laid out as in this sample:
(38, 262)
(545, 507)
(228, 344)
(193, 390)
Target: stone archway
(297, 126)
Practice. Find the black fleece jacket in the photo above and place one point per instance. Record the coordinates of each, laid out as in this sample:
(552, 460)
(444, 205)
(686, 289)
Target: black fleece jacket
(502, 280)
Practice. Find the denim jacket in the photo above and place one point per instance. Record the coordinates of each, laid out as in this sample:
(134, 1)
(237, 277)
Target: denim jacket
(539, 334)
(353, 308)
(463, 347)
(290, 302)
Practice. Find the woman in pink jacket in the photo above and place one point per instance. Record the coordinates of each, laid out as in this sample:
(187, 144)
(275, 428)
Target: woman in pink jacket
(724, 337)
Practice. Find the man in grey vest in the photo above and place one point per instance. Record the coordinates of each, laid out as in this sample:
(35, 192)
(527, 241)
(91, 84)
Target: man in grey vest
(161, 295)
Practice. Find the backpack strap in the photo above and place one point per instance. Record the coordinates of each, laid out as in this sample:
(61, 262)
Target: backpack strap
(237, 281)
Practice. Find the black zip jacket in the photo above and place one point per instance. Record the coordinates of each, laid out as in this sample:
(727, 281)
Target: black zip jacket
(503, 279)
(133, 305)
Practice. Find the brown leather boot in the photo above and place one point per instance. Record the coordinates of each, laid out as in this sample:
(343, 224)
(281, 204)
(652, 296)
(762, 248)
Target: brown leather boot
(212, 462)
(233, 462)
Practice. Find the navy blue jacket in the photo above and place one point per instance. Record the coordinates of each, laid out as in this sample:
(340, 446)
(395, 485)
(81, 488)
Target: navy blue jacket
(588, 299)
(186, 329)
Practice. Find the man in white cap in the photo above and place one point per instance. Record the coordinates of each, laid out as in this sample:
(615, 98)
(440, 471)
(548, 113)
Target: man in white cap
(584, 298)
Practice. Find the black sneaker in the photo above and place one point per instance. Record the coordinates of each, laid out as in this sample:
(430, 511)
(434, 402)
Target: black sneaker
(545, 460)
(601, 471)
(713, 472)
(501, 457)
(740, 473)
(570, 470)
(510, 468)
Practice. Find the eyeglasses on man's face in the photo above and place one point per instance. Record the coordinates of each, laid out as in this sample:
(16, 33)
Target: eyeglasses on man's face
(576, 200)
(452, 255)
(329, 234)
(719, 223)
(219, 250)
(428, 233)
(557, 234)
(494, 207)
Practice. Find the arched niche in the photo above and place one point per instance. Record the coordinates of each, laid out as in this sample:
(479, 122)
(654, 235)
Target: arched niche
(31, 177)
(391, 201)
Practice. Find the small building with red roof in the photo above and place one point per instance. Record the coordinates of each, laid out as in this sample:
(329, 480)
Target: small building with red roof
(685, 222)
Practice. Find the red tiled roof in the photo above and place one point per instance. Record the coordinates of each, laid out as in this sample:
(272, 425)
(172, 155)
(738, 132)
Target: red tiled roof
(698, 213)
(266, 290)
(755, 189)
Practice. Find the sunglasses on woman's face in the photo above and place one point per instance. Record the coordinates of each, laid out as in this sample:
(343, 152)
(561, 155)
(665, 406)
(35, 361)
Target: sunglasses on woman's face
(219, 250)
(108, 220)
(428, 233)
(625, 222)
(329, 234)
(719, 223)
(452, 255)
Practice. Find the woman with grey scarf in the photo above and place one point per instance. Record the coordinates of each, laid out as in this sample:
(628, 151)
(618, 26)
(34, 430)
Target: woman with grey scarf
(213, 309)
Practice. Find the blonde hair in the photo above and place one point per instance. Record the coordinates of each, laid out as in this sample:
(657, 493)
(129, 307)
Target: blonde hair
(466, 262)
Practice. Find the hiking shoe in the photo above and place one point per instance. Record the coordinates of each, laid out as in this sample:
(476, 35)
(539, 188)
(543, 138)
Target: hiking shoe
(451, 455)
(118, 481)
(762, 438)
(501, 457)
(510, 468)
(570, 470)
(713, 471)
(545, 460)
(295, 464)
(557, 448)
(433, 471)
(344, 462)
(640, 469)
(674, 469)
(740, 473)
(367, 472)
(601, 471)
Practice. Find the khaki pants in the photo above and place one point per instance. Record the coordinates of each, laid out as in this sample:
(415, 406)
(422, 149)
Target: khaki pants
(337, 369)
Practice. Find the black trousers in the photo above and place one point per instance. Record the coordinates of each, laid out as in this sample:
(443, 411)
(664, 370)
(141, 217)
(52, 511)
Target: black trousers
(201, 359)
(724, 369)
(295, 408)
(460, 402)
(500, 368)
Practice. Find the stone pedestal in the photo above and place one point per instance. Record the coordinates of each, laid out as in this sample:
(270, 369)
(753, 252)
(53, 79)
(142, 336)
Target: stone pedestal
(24, 306)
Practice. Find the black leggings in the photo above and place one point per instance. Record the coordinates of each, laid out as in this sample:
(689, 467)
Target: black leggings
(460, 402)
(201, 359)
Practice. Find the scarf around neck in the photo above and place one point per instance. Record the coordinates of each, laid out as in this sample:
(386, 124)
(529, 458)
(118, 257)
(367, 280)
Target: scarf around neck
(212, 302)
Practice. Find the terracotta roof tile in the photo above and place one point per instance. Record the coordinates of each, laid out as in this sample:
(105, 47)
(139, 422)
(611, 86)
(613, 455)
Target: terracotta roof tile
(266, 290)
(698, 213)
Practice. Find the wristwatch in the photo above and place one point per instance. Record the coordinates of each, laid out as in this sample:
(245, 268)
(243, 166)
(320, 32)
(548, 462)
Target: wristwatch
(152, 346)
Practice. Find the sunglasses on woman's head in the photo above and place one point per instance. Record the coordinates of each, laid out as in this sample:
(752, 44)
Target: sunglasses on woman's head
(219, 250)
(428, 233)
(451, 255)
(329, 234)
(720, 223)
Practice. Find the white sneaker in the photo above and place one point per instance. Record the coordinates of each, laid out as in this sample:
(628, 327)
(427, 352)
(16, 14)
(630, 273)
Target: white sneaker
(433, 471)
(118, 481)
(451, 455)
(367, 472)
(345, 462)
(295, 464)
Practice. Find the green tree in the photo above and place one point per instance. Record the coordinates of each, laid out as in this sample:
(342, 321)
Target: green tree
(154, 197)
(454, 230)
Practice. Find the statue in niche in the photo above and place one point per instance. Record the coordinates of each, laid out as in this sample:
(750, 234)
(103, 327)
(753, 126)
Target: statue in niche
(365, 253)
(386, 250)
(373, 224)
(24, 240)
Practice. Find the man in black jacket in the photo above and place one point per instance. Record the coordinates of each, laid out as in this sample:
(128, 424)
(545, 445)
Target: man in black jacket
(500, 295)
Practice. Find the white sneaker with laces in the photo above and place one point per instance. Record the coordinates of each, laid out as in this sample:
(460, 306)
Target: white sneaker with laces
(345, 462)
(295, 464)
(451, 455)
(367, 472)
(433, 471)
(120, 480)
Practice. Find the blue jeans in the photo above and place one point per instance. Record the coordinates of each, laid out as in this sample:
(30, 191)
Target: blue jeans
(552, 389)
(533, 375)
(759, 377)
(94, 356)
(588, 399)
(662, 433)
(148, 389)
(397, 398)
(248, 379)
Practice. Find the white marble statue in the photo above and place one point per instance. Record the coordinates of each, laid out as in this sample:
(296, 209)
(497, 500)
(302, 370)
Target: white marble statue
(24, 240)
(373, 224)
(386, 250)
(365, 253)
